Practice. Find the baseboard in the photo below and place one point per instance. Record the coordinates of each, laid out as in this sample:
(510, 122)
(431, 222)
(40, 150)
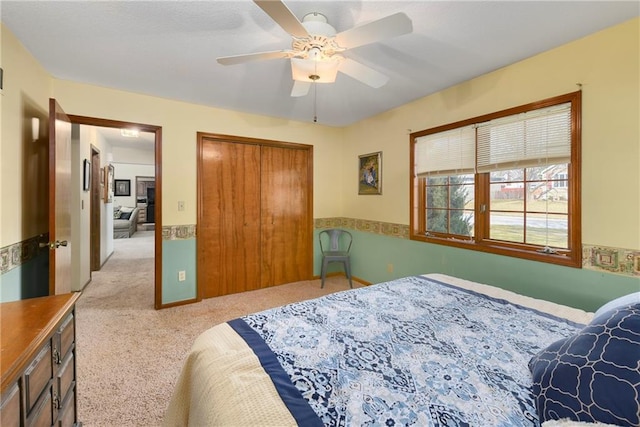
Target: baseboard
(106, 259)
(85, 285)
(353, 278)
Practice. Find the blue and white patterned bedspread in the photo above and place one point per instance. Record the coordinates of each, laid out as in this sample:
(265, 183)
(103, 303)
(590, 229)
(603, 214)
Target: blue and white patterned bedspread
(412, 351)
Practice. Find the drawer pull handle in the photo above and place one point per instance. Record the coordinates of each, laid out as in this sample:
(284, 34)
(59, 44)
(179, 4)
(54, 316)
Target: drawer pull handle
(56, 356)
(56, 401)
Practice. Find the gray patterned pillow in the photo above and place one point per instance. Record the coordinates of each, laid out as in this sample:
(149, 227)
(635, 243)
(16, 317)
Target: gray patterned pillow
(592, 376)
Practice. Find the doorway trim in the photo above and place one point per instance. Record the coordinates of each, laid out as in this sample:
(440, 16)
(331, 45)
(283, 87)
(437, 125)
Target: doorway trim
(157, 130)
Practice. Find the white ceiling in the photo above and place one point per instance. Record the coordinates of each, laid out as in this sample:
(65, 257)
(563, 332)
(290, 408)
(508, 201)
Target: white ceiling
(144, 141)
(168, 49)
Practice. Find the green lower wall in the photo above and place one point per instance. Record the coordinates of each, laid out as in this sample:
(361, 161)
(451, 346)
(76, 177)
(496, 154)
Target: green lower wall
(372, 253)
(178, 255)
(586, 289)
(28, 280)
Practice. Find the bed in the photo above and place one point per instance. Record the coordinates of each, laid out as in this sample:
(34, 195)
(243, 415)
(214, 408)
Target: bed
(429, 350)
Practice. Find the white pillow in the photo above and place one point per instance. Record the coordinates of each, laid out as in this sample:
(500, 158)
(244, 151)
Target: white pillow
(126, 209)
(622, 301)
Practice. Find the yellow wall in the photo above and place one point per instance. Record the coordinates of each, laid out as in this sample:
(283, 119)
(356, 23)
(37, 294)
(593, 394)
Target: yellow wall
(605, 63)
(25, 94)
(181, 121)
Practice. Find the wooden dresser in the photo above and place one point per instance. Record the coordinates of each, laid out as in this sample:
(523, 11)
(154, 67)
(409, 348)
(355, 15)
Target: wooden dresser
(38, 365)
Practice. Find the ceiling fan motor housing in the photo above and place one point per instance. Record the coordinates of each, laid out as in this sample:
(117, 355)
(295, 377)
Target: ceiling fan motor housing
(321, 39)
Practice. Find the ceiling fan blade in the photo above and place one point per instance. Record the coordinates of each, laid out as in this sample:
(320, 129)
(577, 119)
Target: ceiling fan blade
(281, 14)
(361, 72)
(300, 88)
(241, 59)
(384, 28)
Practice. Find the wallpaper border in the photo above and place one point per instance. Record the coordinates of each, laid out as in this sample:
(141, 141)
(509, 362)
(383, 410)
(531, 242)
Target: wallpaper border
(598, 258)
(15, 255)
(400, 231)
(611, 260)
(178, 232)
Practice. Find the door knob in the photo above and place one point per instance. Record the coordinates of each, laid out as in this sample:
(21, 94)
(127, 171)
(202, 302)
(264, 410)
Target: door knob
(54, 245)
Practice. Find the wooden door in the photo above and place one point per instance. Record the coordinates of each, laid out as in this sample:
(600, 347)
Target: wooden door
(229, 218)
(286, 215)
(59, 200)
(94, 212)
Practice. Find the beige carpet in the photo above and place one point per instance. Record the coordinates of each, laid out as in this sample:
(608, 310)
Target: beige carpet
(129, 355)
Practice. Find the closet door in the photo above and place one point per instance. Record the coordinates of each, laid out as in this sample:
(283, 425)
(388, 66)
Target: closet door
(286, 215)
(229, 218)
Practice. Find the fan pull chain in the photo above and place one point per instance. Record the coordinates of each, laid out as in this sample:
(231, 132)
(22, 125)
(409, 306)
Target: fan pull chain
(314, 77)
(315, 102)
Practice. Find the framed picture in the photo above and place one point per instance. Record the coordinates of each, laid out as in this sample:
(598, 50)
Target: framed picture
(123, 187)
(86, 175)
(108, 183)
(370, 173)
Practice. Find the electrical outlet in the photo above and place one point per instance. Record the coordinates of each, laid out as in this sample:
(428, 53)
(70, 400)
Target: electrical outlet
(390, 268)
(182, 276)
(180, 205)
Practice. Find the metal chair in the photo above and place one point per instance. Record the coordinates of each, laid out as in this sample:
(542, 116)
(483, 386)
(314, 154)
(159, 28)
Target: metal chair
(335, 245)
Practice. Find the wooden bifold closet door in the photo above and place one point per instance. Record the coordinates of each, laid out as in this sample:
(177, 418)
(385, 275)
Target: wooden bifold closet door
(254, 214)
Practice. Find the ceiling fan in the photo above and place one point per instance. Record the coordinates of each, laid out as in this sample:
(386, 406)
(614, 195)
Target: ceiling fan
(316, 52)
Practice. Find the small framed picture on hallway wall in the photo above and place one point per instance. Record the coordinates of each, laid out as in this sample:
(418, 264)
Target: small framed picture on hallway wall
(86, 175)
(123, 187)
(108, 184)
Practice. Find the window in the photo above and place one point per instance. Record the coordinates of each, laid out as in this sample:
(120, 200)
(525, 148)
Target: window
(506, 183)
(560, 181)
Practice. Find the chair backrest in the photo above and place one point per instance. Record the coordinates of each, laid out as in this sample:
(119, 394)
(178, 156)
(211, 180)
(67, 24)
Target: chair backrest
(335, 239)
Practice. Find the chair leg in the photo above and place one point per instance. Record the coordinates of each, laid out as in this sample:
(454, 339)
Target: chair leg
(347, 270)
(323, 271)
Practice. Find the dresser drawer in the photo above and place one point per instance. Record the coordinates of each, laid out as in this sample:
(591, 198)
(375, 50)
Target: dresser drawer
(67, 335)
(66, 375)
(67, 412)
(42, 414)
(38, 376)
(10, 407)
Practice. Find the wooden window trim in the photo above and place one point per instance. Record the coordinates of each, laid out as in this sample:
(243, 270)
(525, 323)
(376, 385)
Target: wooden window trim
(570, 258)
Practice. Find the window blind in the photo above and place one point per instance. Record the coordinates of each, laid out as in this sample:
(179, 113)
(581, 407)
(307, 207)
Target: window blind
(535, 138)
(451, 152)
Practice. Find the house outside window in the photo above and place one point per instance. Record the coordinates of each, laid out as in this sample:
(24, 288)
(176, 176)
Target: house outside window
(505, 183)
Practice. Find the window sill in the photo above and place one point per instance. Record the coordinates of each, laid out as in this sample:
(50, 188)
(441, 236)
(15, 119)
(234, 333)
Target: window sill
(567, 259)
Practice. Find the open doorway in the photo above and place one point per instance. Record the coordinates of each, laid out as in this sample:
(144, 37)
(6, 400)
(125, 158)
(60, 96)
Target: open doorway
(121, 152)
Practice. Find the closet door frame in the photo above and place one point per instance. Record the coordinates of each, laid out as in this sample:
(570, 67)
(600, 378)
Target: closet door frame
(202, 137)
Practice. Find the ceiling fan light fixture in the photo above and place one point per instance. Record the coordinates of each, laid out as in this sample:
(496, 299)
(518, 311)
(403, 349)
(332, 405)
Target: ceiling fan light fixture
(326, 71)
(316, 53)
